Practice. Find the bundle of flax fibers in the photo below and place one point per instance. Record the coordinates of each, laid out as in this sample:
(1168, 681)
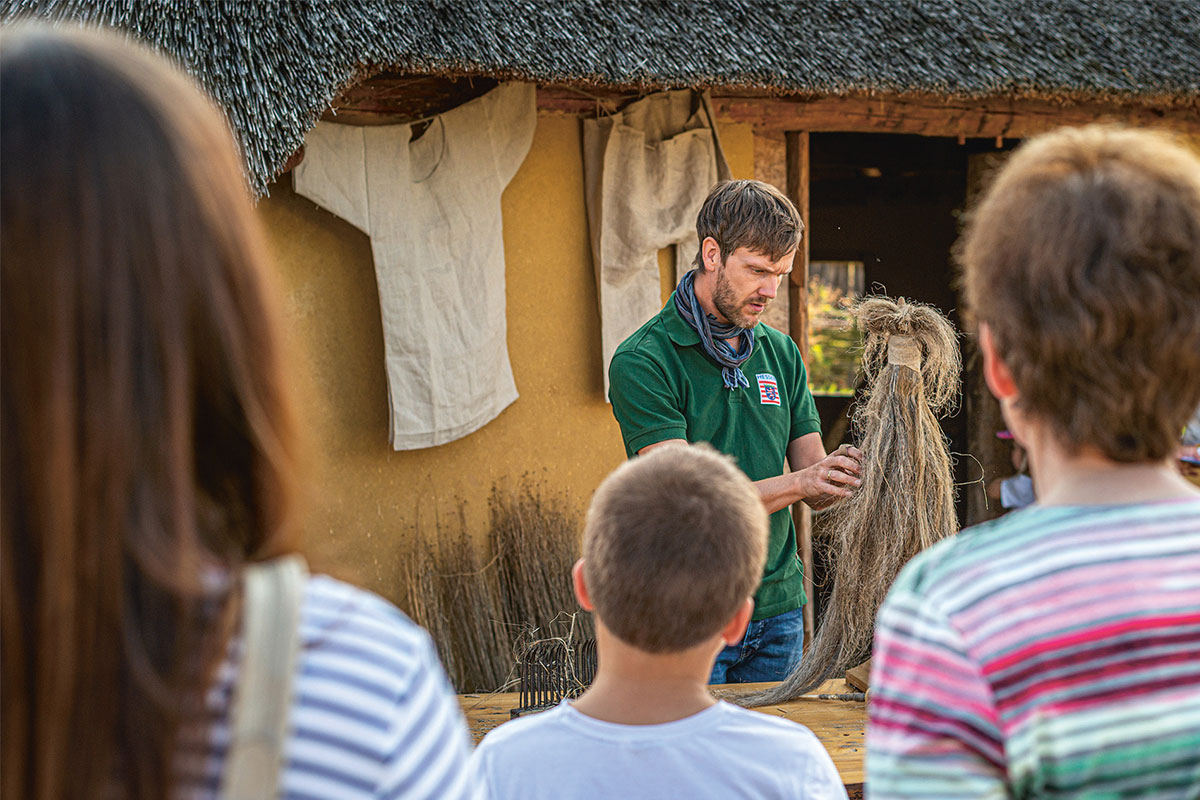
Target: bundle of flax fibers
(906, 501)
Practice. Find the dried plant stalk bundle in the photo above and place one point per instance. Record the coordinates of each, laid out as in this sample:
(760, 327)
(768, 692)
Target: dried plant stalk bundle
(906, 501)
(483, 609)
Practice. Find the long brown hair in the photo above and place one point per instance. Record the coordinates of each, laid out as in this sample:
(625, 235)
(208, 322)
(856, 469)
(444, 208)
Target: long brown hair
(148, 433)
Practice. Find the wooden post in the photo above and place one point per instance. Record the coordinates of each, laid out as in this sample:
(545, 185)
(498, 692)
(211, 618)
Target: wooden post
(992, 456)
(797, 190)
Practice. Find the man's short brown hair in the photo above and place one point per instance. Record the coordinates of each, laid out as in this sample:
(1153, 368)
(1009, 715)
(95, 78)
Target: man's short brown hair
(674, 543)
(749, 214)
(1083, 258)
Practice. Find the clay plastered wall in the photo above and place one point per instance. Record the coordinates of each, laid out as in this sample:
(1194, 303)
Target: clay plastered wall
(364, 500)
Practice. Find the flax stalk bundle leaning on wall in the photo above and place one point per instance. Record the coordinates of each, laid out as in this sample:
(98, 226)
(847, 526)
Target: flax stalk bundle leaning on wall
(906, 501)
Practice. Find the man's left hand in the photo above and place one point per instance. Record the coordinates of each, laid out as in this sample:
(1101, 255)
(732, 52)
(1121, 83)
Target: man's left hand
(833, 478)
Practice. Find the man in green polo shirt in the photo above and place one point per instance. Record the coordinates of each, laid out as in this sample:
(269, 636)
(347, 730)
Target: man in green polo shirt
(704, 370)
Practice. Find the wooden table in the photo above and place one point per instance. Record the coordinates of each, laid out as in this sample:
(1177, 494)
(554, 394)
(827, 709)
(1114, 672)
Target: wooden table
(839, 724)
(1190, 471)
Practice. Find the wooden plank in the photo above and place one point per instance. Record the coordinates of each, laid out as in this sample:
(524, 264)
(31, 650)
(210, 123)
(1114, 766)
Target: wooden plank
(486, 711)
(580, 101)
(859, 677)
(1191, 472)
(390, 97)
(991, 458)
(839, 724)
(907, 113)
(797, 189)
(932, 116)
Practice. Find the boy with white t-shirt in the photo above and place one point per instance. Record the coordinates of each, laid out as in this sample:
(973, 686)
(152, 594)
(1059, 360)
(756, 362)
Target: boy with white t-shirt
(673, 549)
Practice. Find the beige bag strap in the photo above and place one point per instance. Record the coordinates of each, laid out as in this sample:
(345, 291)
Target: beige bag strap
(274, 591)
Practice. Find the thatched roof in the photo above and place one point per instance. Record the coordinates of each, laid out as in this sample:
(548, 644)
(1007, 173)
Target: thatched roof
(275, 66)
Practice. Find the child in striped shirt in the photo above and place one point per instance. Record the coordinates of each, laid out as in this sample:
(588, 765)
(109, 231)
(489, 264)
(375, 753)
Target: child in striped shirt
(1055, 652)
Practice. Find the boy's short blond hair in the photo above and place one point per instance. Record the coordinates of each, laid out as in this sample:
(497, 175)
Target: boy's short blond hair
(1083, 258)
(675, 541)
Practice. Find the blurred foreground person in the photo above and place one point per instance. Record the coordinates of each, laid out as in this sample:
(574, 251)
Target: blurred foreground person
(149, 452)
(1055, 652)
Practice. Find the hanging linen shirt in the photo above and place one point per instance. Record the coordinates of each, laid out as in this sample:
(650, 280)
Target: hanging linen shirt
(647, 171)
(432, 210)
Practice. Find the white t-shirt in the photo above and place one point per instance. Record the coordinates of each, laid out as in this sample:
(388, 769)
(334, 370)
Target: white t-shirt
(722, 752)
(432, 208)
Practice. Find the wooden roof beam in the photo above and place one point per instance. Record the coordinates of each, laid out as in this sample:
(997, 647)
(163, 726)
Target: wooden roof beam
(388, 98)
(938, 117)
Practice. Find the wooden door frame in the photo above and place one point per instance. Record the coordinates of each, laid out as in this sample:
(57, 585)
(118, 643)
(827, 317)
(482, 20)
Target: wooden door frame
(797, 191)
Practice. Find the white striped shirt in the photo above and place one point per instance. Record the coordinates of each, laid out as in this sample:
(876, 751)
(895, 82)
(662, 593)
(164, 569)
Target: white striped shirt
(372, 713)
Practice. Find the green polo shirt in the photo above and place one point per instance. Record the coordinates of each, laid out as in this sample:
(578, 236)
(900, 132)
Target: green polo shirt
(663, 386)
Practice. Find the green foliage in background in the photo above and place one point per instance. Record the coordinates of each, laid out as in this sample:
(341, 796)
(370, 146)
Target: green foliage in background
(834, 341)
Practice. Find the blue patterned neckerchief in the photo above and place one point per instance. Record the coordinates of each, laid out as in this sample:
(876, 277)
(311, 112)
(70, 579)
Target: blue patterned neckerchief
(713, 334)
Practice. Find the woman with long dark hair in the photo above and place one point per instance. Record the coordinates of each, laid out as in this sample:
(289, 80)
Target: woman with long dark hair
(149, 455)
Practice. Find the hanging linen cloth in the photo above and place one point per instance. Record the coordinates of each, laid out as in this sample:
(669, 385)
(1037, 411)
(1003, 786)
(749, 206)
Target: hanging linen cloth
(432, 210)
(647, 171)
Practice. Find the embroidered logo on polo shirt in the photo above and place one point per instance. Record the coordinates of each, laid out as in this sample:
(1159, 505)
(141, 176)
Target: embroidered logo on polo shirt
(768, 389)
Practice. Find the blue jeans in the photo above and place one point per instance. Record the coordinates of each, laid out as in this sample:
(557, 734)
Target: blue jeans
(769, 651)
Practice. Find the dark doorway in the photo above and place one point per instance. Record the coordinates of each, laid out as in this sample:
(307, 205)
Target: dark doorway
(893, 202)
